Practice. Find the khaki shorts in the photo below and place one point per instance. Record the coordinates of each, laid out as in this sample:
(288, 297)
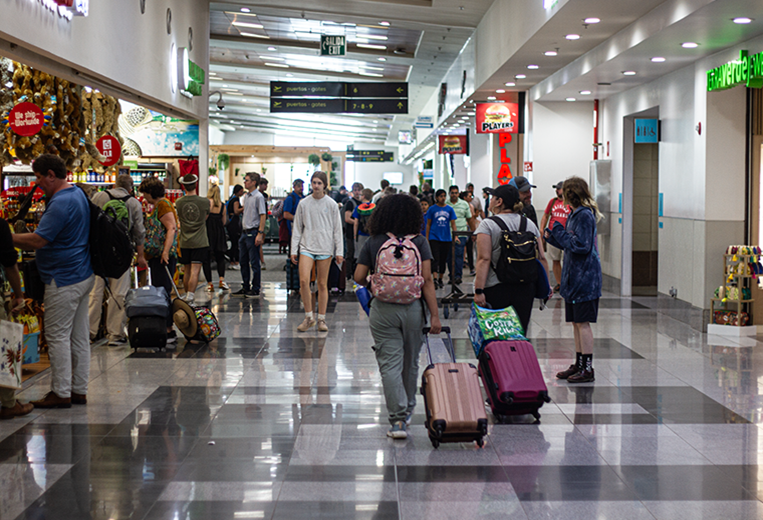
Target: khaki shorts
(554, 253)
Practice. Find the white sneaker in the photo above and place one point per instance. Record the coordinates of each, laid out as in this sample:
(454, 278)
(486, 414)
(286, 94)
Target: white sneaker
(398, 431)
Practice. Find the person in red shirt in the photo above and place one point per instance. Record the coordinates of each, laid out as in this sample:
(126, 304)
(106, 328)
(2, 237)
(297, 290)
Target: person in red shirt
(556, 211)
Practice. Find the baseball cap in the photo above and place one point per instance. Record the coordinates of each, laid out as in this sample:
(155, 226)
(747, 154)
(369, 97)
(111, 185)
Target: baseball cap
(189, 179)
(558, 185)
(297, 181)
(521, 184)
(508, 193)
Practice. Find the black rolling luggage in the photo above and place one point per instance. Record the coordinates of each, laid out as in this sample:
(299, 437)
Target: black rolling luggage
(147, 309)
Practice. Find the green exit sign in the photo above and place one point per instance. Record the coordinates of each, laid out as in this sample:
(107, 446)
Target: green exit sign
(333, 45)
(747, 70)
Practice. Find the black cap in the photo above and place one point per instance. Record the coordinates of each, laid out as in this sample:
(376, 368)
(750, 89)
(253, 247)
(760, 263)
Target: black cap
(558, 185)
(508, 193)
(521, 183)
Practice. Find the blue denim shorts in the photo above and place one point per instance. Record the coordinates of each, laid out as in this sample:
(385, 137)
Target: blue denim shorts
(315, 257)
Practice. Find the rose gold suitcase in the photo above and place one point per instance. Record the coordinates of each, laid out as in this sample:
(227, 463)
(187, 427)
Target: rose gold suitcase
(453, 400)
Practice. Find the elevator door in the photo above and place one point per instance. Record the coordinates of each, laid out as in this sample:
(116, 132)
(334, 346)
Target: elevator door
(756, 219)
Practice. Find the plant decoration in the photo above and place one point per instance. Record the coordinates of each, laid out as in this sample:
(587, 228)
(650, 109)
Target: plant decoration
(237, 170)
(327, 157)
(314, 159)
(223, 161)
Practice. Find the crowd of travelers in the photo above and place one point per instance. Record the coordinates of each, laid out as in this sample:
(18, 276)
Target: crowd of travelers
(439, 230)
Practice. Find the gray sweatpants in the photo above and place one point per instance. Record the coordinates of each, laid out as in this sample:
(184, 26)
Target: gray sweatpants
(396, 330)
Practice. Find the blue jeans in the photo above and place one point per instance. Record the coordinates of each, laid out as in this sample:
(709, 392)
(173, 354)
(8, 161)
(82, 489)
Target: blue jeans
(459, 244)
(250, 257)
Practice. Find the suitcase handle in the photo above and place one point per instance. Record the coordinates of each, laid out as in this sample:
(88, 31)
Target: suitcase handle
(451, 350)
(172, 280)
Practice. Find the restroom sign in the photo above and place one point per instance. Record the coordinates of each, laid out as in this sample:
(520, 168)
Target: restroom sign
(647, 131)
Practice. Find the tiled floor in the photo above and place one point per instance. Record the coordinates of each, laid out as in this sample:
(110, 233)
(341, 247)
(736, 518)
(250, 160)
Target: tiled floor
(270, 423)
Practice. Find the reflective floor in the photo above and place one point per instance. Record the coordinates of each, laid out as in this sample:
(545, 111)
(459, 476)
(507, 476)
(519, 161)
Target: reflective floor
(270, 423)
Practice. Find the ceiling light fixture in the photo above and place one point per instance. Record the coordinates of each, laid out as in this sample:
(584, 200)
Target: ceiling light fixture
(551, 53)
(248, 24)
(573, 36)
(385, 24)
(520, 76)
(280, 65)
(272, 49)
(629, 73)
(289, 75)
(371, 46)
(658, 59)
(500, 91)
(491, 98)
(382, 59)
(742, 20)
(689, 45)
(305, 34)
(591, 20)
(373, 37)
(570, 99)
(246, 10)
(510, 84)
(371, 74)
(585, 92)
(533, 67)
(252, 35)
(371, 67)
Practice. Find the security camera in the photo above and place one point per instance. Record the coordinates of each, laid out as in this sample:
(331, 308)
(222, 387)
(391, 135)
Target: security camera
(220, 102)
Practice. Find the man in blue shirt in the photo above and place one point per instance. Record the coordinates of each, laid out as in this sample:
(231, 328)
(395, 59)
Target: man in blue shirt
(292, 201)
(441, 220)
(63, 259)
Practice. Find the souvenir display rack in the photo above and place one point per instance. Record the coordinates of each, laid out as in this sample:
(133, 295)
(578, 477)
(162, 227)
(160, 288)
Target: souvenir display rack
(732, 302)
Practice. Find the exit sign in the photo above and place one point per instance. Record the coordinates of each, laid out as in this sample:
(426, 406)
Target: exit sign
(333, 45)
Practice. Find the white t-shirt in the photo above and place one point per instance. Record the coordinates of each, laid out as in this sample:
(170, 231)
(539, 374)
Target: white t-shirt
(488, 227)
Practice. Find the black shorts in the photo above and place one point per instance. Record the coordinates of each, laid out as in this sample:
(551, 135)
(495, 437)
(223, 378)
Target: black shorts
(582, 312)
(193, 256)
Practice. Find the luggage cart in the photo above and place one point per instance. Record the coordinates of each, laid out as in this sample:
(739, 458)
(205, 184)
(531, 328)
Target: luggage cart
(456, 297)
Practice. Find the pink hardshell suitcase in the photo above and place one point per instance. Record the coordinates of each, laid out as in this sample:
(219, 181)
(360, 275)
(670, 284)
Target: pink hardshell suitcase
(512, 377)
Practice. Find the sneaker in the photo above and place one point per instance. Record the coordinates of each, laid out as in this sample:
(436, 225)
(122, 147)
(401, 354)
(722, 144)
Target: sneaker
(236, 267)
(458, 281)
(557, 288)
(189, 297)
(251, 293)
(172, 338)
(210, 287)
(224, 286)
(586, 376)
(117, 342)
(79, 398)
(564, 374)
(409, 418)
(241, 292)
(472, 273)
(322, 327)
(305, 325)
(51, 400)
(15, 411)
(398, 431)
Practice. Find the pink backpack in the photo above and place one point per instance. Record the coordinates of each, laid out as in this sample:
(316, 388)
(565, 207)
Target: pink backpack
(397, 277)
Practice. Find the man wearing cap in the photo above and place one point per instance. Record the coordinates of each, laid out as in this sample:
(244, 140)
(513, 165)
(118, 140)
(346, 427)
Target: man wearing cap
(556, 211)
(526, 196)
(255, 214)
(192, 211)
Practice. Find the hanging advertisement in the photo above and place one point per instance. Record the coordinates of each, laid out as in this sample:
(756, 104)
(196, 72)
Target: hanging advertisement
(109, 147)
(497, 118)
(151, 134)
(26, 119)
(452, 144)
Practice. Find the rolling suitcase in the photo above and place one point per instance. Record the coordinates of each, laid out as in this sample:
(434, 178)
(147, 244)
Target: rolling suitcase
(511, 374)
(455, 411)
(337, 277)
(147, 309)
(292, 276)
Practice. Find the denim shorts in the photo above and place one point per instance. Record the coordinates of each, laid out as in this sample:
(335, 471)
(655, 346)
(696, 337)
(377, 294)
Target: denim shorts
(315, 257)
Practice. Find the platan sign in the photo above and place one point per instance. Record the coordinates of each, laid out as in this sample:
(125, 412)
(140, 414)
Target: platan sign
(333, 45)
(747, 70)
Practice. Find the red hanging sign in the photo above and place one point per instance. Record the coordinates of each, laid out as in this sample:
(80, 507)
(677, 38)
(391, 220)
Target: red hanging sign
(497, 118)
(110, 148)
(452, 144)
(26, 119)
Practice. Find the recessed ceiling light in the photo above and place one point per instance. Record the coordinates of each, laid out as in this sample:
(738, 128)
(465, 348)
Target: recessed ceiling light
(658, 59)
(743, 20)
(491, 98)
(520, 76)
(570, 99)
(371, 74)
(248, 24)
(224, 85)
(281, 65)
(259, 110)
(629, 73)
(372, 37)
(276, 58)
(551, 53)
(252, 35)
(213, 73)
(382, 59)
(472, 113)
(533, 67)
(591, 20)
(500, 91)
(272, 49)
(573, 36)
(510, 84)
(371, 46)
(385, 24)
(689, 45)
(289, 75)
(246, 10)
(585, 92)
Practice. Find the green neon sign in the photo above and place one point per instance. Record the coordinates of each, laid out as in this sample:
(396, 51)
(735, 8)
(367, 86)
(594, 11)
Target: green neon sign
(747, 70)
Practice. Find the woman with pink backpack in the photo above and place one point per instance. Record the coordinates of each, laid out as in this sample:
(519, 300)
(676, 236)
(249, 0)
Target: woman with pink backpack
(400, 263)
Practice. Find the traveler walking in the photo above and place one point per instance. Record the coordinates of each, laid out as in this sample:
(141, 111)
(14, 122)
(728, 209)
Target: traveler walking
(161, 240)
(468, 197)
(464, 218)
(216, 236)
(361, 216)
(253, 236)
(127, 208)
(525, 196)
(63, 259)
(349, 226)
(441, 220)
(397, 327)
(509, 291)
(316, 238)
(581, 274)
(192, 211)
(234, 210)
(556, 211)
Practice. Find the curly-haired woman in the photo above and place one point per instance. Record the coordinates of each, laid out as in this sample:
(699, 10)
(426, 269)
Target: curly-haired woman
(397, 328)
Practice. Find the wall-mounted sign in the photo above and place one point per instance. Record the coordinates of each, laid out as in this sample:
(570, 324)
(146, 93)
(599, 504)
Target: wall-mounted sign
(338, 97)
(26, 119)
(370, 156)
(110, 148)
(646, 131)
(528, 167)
(337, 105)
(495, 118)
(424, 122)
(505, 174)
(747, 70)
(452, 144)
(67, 9)
(338, 89)
(333, 45)
(190, 76)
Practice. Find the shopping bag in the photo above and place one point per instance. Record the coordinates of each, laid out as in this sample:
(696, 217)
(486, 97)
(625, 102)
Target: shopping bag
(486, 325)
(11, 354)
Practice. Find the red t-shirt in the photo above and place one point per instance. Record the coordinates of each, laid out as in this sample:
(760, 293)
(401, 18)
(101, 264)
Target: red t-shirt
(559, 212)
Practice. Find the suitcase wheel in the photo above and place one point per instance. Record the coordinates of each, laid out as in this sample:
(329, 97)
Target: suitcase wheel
(536, 414)
(435, 442)
(481, 442)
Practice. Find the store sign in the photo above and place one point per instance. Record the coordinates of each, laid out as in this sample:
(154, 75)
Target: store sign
(190, 76)
(110, 148)
(504, 174)
(26, 119)
(647, 131)
(67, 9)
(452, 144)
(333, 45)
(747, 70)
(495, 118)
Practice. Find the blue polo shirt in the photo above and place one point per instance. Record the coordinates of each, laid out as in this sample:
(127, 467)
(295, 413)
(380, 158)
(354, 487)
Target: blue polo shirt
(290, 205)
(440, 217)
(66, 226)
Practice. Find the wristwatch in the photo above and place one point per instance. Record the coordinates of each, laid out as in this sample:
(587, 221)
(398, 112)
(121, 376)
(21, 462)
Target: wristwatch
(479, 291)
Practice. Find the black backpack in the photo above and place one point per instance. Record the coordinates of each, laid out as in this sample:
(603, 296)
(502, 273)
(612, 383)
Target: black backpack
(111, 250)
(517, 263)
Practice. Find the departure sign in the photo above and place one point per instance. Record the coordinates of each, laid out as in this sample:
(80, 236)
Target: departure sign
(338, 106)
(370, 156)
(337, 89)
(338, 97)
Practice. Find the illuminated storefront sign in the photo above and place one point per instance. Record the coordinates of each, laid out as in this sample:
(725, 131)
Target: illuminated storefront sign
(190, 77)
(66, 9)
(747, 70)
